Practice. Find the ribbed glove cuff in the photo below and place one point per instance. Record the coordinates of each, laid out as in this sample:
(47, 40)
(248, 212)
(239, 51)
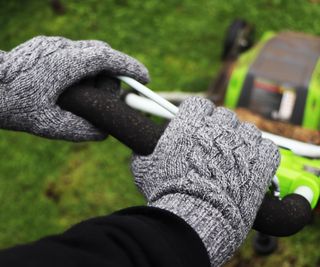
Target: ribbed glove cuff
(218, 236)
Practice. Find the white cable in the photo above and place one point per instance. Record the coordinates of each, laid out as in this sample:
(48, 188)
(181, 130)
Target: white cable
(178, 96)
(297, 147)
(149, 94)
(146, 105)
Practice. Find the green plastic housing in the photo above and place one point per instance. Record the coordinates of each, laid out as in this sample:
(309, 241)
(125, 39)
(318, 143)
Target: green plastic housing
(293, 173)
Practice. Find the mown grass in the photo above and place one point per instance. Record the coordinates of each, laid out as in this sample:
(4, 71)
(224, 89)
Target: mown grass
(46, 186)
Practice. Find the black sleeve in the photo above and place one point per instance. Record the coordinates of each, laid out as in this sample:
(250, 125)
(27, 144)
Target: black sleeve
(134, 237)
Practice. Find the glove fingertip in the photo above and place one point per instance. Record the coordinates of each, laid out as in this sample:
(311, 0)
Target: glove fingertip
(138, 71)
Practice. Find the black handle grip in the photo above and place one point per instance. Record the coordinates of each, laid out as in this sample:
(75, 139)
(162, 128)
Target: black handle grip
(106, 111)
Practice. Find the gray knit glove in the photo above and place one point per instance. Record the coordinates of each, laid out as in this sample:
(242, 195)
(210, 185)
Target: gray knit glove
(212, 171)
(34, 74)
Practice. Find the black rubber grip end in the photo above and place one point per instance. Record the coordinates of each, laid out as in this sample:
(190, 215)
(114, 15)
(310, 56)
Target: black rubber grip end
(283, 217)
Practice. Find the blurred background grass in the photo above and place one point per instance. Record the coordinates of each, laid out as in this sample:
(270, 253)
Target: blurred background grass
(46, 186)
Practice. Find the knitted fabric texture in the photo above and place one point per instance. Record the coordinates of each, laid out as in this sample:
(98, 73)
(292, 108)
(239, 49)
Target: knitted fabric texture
(212, 171)
(34, 74)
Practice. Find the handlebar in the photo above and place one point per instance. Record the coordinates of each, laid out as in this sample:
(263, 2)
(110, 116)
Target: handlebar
(109, 113)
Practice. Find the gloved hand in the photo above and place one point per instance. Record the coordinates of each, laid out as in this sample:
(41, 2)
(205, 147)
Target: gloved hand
(211, 170)
(34, 74)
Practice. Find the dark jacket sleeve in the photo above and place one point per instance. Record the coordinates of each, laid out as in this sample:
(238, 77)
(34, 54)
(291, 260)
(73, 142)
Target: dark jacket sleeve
(134, 237)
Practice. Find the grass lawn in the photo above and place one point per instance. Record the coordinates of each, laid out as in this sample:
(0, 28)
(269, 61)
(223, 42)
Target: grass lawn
(46, 186)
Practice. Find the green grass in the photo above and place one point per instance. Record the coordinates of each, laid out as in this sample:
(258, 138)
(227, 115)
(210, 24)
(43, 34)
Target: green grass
(46, 186)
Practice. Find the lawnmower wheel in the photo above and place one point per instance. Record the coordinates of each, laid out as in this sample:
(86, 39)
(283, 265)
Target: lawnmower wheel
(239, 37)
(264, 244)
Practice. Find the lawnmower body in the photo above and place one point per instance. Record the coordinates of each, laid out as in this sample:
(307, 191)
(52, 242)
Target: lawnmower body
(279, 79)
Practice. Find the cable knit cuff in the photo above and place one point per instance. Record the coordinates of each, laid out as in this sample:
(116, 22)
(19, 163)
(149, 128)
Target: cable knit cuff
(218, 236)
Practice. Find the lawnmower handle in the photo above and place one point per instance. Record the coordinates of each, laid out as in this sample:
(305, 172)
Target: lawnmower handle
(109, 113)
